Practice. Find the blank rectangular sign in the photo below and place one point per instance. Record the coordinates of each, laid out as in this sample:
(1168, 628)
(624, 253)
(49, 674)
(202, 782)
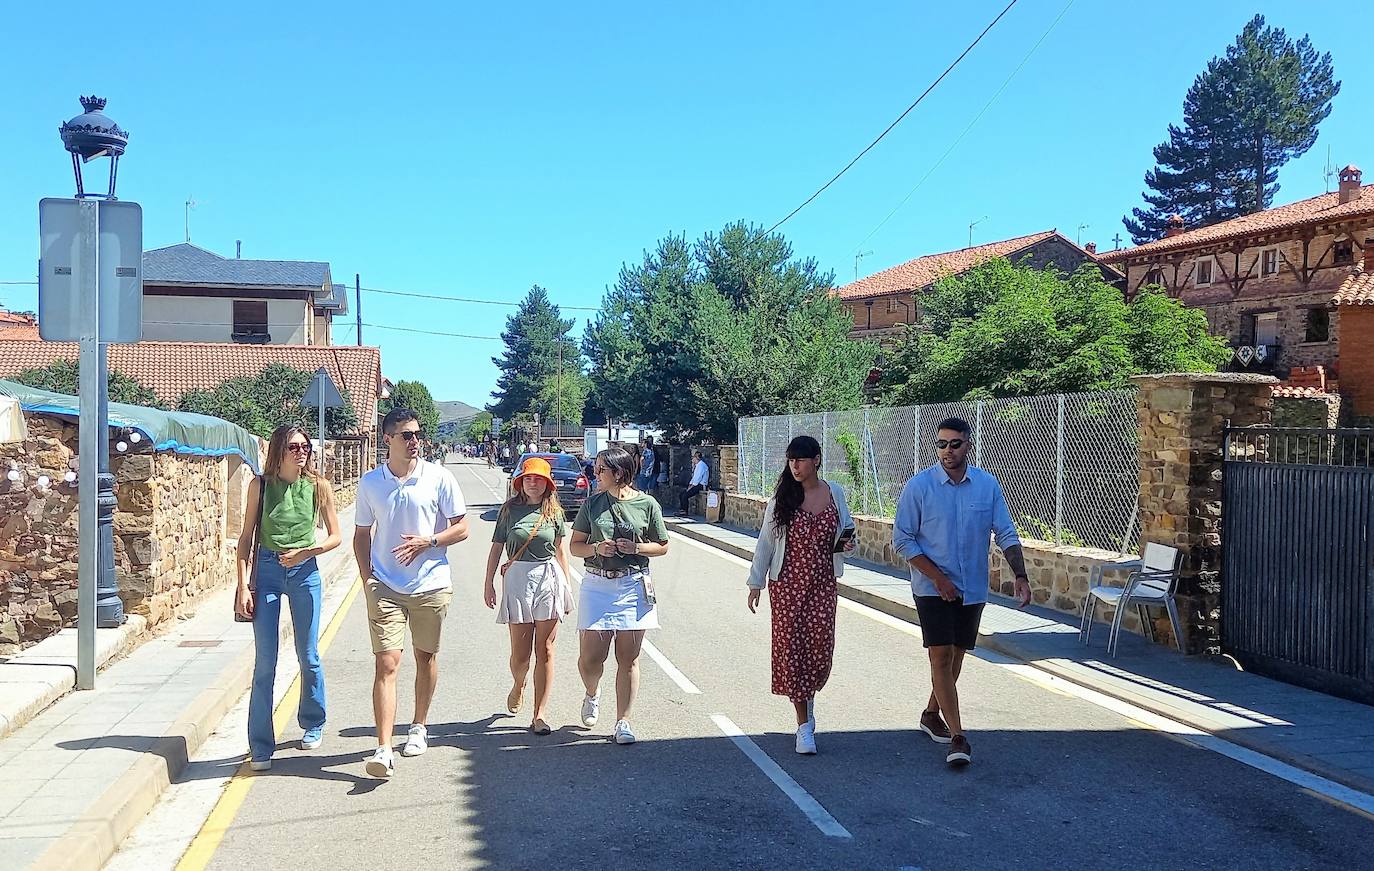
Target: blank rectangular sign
(61, 304)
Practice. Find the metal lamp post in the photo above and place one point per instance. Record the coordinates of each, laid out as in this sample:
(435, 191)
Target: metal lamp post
(90, 291)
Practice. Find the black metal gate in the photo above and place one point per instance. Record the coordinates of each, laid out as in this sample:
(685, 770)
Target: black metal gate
(1298, 556)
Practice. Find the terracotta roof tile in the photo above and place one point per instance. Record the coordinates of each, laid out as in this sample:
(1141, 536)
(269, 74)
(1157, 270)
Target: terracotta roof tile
(1284, 391)
(1312, 211)
(171, 369)
(915, 274)
(1357, 289)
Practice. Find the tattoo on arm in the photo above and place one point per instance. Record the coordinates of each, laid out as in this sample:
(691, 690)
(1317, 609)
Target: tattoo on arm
(1016, 560)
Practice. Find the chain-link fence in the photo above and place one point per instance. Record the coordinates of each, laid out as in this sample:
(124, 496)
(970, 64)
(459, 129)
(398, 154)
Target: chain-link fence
(1067, 462)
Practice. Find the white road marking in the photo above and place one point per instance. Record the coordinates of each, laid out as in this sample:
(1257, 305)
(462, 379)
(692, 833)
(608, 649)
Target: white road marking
(934, 825)
(669, 669)
(808, 805)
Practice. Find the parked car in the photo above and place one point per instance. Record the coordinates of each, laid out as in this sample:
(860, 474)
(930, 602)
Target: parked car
(573, 485)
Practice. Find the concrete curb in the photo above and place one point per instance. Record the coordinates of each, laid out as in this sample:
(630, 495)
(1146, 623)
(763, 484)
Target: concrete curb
(1007, 647)
(46, 672)
(95, 837)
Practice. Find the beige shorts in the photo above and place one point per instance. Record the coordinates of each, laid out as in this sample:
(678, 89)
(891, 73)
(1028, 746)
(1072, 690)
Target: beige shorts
(388, 613)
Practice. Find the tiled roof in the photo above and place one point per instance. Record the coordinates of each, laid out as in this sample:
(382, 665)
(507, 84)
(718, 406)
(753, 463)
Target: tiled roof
(185, 263)
(18, 326)
(171, 369)
(1315, 210)
(915, 274)
(1357, 289)
(1284, 391)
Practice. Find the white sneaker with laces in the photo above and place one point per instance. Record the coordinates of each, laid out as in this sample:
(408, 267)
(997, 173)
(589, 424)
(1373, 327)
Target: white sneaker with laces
(382, 764)
(806, 739)
(417, 740)
(591, 709)
(623, 733)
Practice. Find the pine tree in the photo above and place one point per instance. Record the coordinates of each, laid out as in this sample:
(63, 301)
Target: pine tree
(535, 336)
(1246, 115)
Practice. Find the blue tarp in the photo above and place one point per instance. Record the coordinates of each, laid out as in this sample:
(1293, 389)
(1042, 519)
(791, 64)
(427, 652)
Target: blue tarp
(179, 431)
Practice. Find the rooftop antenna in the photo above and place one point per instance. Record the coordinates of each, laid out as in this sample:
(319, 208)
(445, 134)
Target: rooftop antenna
(1329, 171)
(857, 257)
(971, 225)
(190, 204)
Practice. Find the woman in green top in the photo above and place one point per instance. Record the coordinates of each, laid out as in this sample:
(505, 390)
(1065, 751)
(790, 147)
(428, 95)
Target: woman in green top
(285, 505)
(616, 532)
(536, 592)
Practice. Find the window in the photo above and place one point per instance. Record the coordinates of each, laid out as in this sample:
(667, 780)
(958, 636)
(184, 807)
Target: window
(1269, 261)
(250, 321)
(1265, 328)
(1204, 271)
(1155, 276)
(892, 305)
(1318, 325)
(1343, 253)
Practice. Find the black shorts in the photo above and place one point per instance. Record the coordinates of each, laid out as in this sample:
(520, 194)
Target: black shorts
(948, 622)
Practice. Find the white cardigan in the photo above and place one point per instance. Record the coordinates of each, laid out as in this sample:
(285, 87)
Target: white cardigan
(768, 553)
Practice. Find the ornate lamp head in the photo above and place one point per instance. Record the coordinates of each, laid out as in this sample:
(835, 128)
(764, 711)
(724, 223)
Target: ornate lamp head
(90, 135)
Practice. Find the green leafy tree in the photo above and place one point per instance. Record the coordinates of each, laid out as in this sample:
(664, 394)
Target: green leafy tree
(479, 427)
(564, 397)
(270, 399)
(1246, 115)
(697, 335)
(538, 348)
(64, 376)
(415, 396)
(1004, 330)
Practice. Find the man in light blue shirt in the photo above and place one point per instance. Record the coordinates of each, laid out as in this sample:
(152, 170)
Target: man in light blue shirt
(946, 519)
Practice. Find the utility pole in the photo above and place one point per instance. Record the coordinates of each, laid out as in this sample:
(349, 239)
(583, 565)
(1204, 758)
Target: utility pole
(1078, 237)
(190, 204)
(971, 225)
(560, 388)
(358, 304)
(857, 257)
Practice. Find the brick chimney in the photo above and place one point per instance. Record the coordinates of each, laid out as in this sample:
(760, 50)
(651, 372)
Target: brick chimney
(1350, 184)
(1091, 247)
(1174, 225)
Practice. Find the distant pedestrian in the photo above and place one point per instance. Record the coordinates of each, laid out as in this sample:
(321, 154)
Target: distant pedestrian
(616, 533)
(945, 517)
(536, 591)
(505, 453)
(806, 528)
(287, 503)
(701, 474)
(408, 513)
(648, 467)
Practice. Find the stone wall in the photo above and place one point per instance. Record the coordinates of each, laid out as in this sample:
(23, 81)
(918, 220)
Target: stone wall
(172, 531)
(680, 467)
(1298, 407)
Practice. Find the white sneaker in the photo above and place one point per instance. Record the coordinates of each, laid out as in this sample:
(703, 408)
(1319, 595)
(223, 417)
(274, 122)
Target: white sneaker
(261, 764)
(806, 739)
(382, 764)
(417, 740)
(591, 709)
(623, 734)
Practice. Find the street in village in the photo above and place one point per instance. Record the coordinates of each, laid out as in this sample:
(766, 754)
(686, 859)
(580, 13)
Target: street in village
(1063, 777)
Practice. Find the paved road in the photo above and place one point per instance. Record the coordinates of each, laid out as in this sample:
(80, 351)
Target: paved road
(1057, 781)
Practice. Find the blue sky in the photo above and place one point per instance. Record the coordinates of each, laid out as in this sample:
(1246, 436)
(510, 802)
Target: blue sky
(477, 151)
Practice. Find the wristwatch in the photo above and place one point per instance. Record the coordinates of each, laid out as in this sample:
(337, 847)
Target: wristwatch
(434, 541)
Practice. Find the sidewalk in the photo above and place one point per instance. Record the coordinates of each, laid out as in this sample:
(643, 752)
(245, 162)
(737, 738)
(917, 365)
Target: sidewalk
(82, 773)
(1322, 734)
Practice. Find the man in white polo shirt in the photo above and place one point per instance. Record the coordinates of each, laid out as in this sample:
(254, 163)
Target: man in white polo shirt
(408, 513)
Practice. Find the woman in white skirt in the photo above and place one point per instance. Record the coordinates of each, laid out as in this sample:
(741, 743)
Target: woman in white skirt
(536, 592)
(616, 532)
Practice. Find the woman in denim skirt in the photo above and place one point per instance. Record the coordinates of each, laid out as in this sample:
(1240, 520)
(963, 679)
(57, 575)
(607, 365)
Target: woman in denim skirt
(287, 503)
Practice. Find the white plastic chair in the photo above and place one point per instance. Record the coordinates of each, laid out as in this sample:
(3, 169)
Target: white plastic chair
(1153, 582)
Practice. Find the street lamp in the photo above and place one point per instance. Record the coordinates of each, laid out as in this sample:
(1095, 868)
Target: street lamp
(92, 135)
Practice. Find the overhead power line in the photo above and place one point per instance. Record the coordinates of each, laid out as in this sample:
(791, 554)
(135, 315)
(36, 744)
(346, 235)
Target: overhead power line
(916, 103)
(430, 332)
(970, 126)
(580, 308)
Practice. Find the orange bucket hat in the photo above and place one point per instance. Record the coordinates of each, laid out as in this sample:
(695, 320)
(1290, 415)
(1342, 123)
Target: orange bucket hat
(537, 466)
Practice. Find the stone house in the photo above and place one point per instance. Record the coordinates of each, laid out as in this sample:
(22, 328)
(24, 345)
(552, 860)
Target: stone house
(1270, 282)
(194, 295)
(882, 303)
(172, 369)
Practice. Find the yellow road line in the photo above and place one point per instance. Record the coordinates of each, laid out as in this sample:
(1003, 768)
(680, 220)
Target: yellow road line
(207, 840)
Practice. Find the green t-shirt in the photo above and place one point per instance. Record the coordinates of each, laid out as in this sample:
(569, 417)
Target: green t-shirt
(288, 515)
(599, 517)
(513, 528)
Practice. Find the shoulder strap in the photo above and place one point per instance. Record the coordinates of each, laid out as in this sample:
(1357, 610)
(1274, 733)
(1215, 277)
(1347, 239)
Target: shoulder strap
(521, 552)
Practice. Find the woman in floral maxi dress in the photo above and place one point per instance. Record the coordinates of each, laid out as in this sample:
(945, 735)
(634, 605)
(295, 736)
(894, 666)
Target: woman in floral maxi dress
(796, 560)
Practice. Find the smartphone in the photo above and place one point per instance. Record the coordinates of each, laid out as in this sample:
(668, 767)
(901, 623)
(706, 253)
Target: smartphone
(843, 541)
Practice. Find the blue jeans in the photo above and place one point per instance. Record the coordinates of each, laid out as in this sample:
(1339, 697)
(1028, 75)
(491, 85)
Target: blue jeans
(645, 483)
(300, 586)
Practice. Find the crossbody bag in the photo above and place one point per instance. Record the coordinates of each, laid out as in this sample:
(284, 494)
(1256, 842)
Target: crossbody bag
(646, 585)
(505, 567)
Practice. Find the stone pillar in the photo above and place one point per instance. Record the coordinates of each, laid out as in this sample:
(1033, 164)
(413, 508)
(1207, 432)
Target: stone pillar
(1181, 419)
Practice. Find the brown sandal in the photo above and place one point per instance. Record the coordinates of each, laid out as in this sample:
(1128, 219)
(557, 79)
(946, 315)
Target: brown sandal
(515, 699)
(539, 727)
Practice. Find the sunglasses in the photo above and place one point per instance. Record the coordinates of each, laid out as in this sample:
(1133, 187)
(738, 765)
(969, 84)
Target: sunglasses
(299, 447)
(955, 444)
(411, 435)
